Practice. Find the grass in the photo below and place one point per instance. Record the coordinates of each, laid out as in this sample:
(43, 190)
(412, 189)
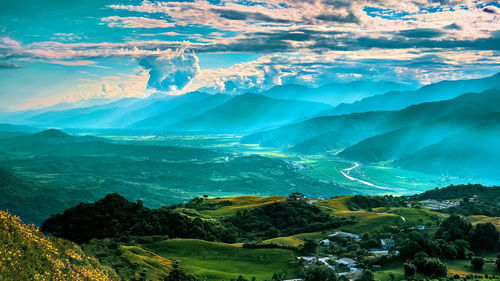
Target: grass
(289, 241)
(156, 266)
(370, 222)
(464, 267)
(240, 203)
(337, 203)
(419, 216)
(367, 221)
(485, 219)
(219, 261)
(298, 239)
(460, 267)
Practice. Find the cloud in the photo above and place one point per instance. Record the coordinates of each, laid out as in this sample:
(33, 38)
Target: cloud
(453, 26)
(421, 33)
(170, 73)
(8, 65)
(491, 10)
(135, 22)
(73, 62)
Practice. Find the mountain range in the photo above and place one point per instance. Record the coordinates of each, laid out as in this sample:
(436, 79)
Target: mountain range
(403, 125)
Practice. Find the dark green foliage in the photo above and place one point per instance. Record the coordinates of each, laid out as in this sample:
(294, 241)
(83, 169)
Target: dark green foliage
(453, 228)
(109, 253)
(429, 266)
(282, 219)
(367, 276)
(310, 246)
(178, 275)
(415, 242)
(114, 216)
(31, 201)
(278, 277)
(319, 272)
(477, 263)
(409, 269)
(475, 208)
(484, 236)
(358, 202)
(484, 193)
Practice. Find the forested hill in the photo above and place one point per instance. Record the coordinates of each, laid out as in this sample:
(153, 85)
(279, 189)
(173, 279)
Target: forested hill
(489, 194)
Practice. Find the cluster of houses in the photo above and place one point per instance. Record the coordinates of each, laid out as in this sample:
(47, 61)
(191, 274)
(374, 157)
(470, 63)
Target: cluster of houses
(350, 265)
(438, 205)
(296, 196)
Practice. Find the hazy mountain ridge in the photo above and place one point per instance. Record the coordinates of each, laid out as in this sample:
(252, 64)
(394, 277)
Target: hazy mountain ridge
(352, 128)
(244, 113)
(335, 93)
(182, 112)
(473, 152)
(396, 100)
(408, 140)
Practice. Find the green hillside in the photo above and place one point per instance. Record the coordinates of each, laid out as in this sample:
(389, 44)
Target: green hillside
(218, 261)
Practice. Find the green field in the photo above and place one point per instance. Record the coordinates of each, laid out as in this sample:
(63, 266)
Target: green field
(219, 261)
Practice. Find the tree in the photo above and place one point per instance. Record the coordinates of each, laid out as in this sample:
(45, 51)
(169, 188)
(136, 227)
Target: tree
(484, 236)
(498, 262)
(278, 277)
(410, 269)
(319, 272)
(367, 276)
(310, 246)
(477, 263)
(453, 228)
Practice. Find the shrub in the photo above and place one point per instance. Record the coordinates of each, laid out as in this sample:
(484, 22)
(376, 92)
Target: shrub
(477, 263)
(410, 269)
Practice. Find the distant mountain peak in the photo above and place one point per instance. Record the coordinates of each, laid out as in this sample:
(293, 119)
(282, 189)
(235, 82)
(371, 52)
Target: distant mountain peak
(52, 133)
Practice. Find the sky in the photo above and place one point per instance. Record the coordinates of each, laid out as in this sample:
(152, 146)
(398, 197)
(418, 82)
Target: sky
(58, 51)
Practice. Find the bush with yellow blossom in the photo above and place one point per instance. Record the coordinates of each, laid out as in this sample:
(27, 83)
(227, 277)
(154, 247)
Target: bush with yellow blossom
(26, 254)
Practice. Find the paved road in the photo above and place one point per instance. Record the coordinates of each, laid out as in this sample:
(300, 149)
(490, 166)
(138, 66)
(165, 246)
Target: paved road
(345, 173)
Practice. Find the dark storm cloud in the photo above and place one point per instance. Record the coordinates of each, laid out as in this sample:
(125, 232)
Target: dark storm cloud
(350, 18)
(453, 26)
(421, 33)
(246, 16)
(404, 43)
(490, 10)
(8, 65)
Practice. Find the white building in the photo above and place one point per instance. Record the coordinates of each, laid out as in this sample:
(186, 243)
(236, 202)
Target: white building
(344, 235)
(347, 262)
(387, 243)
